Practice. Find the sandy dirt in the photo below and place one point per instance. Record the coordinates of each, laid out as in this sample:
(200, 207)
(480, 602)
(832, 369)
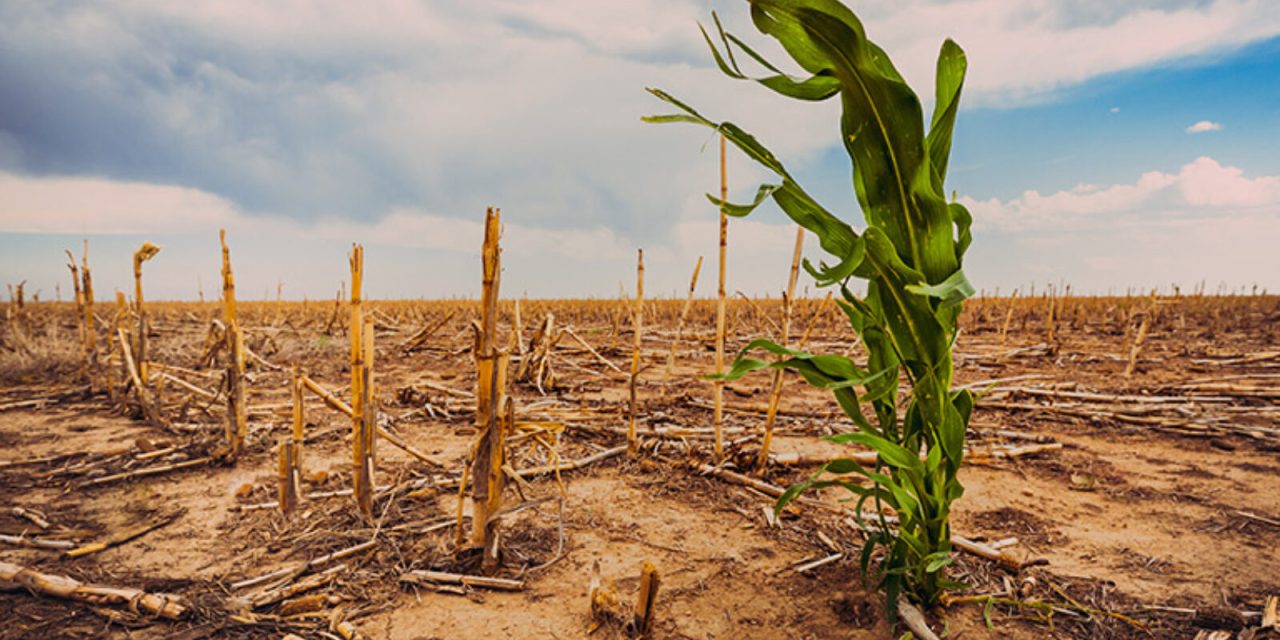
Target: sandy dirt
(1176, 508)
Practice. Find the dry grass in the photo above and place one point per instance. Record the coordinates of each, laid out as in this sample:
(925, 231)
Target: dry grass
(37, 352)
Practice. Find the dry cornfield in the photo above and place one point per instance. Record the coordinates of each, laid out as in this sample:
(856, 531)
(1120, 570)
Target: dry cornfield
(1040, 465)
(315, 469)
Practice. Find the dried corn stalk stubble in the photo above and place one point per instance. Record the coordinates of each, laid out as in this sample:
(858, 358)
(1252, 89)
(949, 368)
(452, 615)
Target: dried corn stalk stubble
(909, 255)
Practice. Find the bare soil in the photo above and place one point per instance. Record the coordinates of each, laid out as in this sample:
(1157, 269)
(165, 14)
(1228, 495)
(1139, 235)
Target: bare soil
(1177, 508)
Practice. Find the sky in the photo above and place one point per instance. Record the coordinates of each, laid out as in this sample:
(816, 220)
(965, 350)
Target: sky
(1105, 145)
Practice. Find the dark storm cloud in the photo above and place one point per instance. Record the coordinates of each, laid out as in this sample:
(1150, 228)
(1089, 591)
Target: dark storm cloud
(156, 101)
(306, 122)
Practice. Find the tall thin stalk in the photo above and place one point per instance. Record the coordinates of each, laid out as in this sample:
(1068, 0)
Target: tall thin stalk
(144, 253)
(237, 409)
(775, 391)
(718, 416)
(91, 345)
(638, 337)
(362, 412)
(79, 299)
(684, 311)
(493, 407)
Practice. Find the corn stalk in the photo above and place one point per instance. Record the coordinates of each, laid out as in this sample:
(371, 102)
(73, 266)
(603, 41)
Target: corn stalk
(494, 411)
(237, 428)
(80, 318)
(363, 411)
(909, 256)
(91, 347)
(637, 320)
(718, 415)
(144, 253)
(684, 312)
(775, 392)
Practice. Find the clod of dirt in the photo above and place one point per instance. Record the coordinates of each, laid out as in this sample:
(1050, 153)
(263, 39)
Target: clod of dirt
(855, 612)
(1218, 618)
(1012, 521)
(1223, 443)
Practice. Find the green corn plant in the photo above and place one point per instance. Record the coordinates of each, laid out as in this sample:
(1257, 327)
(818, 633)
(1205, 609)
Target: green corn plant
(909, 254)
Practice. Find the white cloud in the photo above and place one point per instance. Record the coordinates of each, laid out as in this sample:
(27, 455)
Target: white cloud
(1025, 50)
(1205, 222)
(1092, 236)
(1207, 184)
(1204, 126)
(1115, 109)
(585, 260)
(1231, 250)
(97, 207)
(1202, 188)
(1018, 49)
(94, 206)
